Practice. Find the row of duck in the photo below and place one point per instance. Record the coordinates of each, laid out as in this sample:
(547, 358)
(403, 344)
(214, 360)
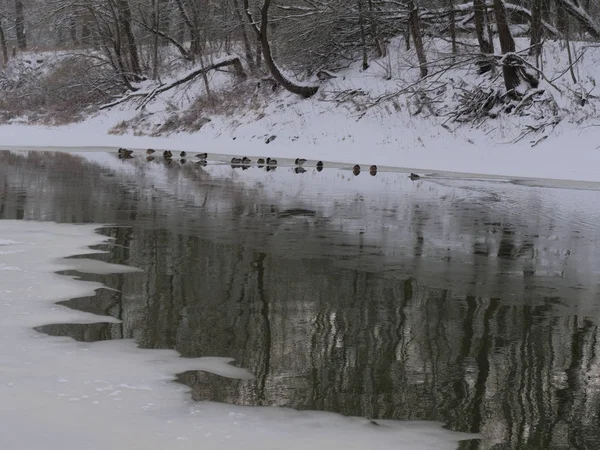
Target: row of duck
(245, 162)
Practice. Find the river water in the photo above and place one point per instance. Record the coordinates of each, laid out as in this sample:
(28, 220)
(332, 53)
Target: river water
(469, 302)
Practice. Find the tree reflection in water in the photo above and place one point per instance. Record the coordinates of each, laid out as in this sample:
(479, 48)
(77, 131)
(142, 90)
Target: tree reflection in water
(450, 308)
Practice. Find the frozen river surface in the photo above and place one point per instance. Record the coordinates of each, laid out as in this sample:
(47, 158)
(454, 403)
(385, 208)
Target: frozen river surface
(146, 305)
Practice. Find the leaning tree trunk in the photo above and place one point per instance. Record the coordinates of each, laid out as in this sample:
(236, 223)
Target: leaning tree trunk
(20, 25)
(263, 38)
(415, 28)
(574, 9)
(507, 45)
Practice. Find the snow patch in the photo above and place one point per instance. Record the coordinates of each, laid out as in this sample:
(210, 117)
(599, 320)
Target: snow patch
(57, 393)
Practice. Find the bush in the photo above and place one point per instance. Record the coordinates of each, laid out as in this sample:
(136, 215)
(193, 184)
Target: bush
(57, 91)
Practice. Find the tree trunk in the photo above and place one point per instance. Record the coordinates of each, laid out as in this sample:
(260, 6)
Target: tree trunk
(3, 45)
(415, 28)
(261, 33)
(536, 28)
(507, 45)
(20, 25)
(195, 45)
(125, 22)
(155, 43)
(381, 50)
(73, 30)
(363, 38)
(484, 44)
(453, 26)
(244, 34)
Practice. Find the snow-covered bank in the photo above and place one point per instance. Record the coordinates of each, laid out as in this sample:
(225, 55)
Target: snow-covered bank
(572, 154)
(59, 394)
(416, 127)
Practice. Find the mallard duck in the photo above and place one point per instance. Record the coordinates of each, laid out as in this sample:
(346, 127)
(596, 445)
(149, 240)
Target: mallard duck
(319, 164)
(300, 161)
(168, 154)
(260, 162)
(271, 162)
(356, 169)
(235, 160)
(373, 170)
(150, 151)
(183, 154)
(202, 155)
(414, 176)
(299, 170)
(246, 160)
(125, 152)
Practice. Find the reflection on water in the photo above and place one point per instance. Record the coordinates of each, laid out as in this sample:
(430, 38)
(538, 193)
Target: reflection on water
(469, 303)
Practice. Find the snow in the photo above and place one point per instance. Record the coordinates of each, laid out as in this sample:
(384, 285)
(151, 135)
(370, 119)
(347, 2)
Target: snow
(392, 133)
(57, 393)
(571, 154)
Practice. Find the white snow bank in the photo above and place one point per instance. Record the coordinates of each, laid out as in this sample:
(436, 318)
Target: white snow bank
(570, 155)
(58, 394)
(390, 134)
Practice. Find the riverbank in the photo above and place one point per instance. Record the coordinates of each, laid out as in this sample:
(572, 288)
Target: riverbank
(365, 117)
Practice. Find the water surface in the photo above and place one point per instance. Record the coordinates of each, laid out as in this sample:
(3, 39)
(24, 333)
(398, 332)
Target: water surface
(467, 302)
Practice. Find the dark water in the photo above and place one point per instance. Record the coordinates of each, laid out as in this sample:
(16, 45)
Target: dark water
(470, 303)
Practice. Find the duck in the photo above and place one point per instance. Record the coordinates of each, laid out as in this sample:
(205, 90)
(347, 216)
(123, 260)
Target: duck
(150, 151)
(125, 152)
(300, 161)
(246, 160)
(183, 154)
(235, 160)
(299, 170)
(168, 154)
(319, 164)
(202, 155)
(414, 176)
(356, 169)
(271, 162)
(373, 170)
(260, 162)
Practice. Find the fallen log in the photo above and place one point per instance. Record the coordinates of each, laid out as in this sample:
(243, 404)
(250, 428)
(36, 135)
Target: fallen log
(149, 95)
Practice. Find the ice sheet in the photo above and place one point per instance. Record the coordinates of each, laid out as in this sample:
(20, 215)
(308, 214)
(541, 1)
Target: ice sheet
(60, 394)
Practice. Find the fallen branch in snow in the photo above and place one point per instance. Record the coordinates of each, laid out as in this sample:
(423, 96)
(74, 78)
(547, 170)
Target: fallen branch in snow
(582, 16)
(157, 90)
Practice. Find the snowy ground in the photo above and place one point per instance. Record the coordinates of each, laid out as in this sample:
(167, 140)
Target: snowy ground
(393, 133)
(59, 394)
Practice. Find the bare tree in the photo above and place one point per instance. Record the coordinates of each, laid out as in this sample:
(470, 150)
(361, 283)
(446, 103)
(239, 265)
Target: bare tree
(507, 45)
(20, 25)
(263, 38)
(485, 45)
(415, 28)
